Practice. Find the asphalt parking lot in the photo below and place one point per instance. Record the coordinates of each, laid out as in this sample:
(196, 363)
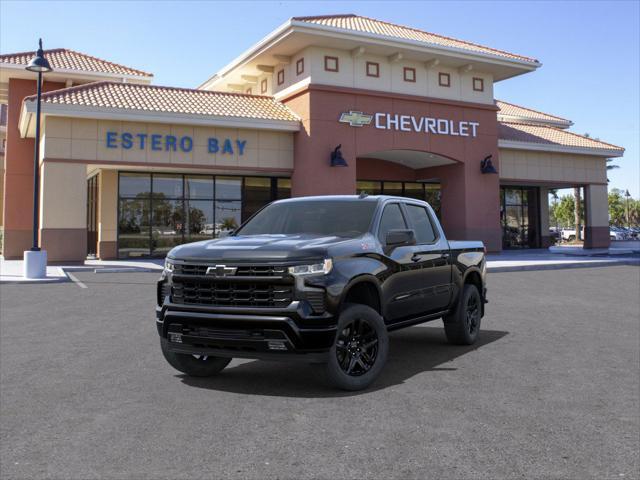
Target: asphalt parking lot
(551, 391)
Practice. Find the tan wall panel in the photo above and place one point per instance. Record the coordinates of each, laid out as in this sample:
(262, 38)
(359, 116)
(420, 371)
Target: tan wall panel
(597, 205)
(75, 139)
(551, 167)
(108, 206)
(63, 199)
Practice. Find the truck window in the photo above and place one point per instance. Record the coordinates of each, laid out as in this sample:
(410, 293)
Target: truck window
(342, 218)
(419, 218)
(392, 219)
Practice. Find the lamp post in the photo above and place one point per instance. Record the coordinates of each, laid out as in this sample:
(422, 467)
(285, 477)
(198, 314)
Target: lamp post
(35, 260)
(627, 195)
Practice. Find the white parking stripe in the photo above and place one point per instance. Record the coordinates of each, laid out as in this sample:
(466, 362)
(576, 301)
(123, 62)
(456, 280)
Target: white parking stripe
(75, 280)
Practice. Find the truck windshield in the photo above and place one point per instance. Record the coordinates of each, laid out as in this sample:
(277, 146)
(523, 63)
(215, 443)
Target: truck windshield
(342, 218)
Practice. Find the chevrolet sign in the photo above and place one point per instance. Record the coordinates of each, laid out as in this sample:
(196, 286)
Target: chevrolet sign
(410, 123)
(355, 119)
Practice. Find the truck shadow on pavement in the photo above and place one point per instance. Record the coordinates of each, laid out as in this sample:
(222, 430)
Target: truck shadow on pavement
(411, 351)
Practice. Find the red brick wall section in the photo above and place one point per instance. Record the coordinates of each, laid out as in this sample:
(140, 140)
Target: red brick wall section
(470, 200)
(18, 179)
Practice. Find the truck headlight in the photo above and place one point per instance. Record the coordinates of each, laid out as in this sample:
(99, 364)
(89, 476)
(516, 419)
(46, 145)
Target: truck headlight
(316, 268)
(168, 265)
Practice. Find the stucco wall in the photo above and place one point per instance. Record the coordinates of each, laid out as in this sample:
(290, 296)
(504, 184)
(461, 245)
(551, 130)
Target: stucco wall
(352, 73)
(522, 165)
(80, 139)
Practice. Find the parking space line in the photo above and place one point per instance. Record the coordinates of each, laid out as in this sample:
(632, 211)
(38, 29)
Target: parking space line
(75, 280)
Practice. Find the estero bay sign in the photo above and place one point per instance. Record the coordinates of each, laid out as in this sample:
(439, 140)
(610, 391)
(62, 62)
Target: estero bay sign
(171, 143)
(411, 123)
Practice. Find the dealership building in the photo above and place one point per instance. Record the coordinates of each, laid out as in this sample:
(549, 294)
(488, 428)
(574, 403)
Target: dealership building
(323, 105)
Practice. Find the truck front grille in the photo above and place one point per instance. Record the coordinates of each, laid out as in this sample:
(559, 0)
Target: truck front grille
(243, 270)
(231, 294)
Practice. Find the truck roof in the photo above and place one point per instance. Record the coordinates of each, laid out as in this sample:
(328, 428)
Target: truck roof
(358, 198)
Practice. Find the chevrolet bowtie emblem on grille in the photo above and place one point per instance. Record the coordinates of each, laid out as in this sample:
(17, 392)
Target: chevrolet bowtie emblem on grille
(221, 271)
(355, 119)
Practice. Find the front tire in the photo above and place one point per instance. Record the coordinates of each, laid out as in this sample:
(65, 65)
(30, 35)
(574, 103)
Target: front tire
(360, 349)
(193, 365)
(463, 325)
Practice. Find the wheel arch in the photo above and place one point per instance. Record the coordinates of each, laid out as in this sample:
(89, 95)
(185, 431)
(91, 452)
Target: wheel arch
(364, 290)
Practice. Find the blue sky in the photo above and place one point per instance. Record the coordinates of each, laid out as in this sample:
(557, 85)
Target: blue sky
(589, 50)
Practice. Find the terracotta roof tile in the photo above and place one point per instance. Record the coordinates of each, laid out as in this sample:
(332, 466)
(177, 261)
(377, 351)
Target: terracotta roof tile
(546, 135)
(65, 59)
(512, 110)
(153, 98)
(378, 27)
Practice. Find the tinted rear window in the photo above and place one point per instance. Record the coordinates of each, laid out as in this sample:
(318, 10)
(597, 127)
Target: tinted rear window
(419, 218)
(343, 218)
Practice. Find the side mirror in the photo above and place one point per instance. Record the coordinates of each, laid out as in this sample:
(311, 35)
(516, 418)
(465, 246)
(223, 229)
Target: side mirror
(398, 238)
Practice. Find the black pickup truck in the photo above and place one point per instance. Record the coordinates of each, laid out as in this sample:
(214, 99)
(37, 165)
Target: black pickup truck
(322, 280)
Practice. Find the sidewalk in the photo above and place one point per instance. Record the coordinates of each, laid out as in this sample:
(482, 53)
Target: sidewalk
(11, 270)
(544, 259)
(507, 261)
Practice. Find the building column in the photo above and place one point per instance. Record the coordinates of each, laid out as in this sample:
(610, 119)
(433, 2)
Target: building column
(108, 215)
(312, 170)
(18, 175)
(470, 203)
(596, 203)
(543, 211)
(63, 211)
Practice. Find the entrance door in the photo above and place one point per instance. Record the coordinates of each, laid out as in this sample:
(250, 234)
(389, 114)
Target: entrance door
(520, 217)
(92, 216)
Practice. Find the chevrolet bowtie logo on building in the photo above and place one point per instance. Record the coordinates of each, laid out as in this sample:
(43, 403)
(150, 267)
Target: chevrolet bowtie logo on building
(356, 119)
(222, 271)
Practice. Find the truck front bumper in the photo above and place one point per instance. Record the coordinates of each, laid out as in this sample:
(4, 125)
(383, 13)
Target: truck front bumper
(292, 333)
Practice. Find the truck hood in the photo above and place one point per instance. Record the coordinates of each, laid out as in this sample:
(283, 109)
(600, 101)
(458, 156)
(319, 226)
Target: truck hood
(258, 248)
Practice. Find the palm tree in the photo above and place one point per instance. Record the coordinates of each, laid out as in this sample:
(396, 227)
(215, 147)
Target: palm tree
(611, 167)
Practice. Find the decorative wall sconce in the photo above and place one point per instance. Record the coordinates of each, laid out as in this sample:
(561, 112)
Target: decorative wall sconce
(486, 166)
(337, 160)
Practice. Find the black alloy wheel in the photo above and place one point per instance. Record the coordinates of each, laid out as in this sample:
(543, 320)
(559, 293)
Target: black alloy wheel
(462, 326)
(357, 347)
(473, 314)
(360, 349)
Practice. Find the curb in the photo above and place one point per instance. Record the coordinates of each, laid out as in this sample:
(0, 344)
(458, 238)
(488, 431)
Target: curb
(125, 270)
(561, 266)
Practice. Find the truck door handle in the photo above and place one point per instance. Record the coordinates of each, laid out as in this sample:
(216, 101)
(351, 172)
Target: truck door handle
(415, 257)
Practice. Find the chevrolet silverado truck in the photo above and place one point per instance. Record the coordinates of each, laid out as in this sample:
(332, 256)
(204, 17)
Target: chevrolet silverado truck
(322, 280)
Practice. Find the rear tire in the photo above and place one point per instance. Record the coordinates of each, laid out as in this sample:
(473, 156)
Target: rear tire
(193, 365)
(462, 326)
(360, 349)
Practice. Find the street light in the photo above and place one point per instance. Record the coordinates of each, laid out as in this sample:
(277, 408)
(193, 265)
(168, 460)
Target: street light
(35, 260)
(627, 195)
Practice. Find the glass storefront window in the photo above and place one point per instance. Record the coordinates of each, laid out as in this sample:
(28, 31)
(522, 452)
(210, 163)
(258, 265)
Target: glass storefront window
(228, 216)
(198, 187)
(284, 188)
(257, 193)
(414, 190)
(199, 222)
(167, 186)
(370, 188)
(519, 217)
(392, 188)
(432, 195)
(167, 224)
(133, 227)
(135, 185)
(159, 211)
(228, 188)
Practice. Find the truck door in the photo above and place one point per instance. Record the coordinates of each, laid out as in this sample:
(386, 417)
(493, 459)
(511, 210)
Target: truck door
(431, 257)
(401, 288)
